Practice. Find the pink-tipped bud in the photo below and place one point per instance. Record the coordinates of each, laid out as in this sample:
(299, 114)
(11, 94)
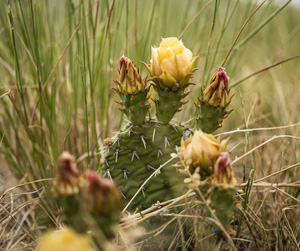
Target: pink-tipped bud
(224, 175)
(130, 81)
(103, 197)
(217, 92)
(68, 180)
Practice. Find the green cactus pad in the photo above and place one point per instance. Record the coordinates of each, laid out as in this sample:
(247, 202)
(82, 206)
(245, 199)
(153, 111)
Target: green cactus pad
(134, 106)
(209, 118)
(222, 201)
(168, 103)
(139, 151)
(71, 212)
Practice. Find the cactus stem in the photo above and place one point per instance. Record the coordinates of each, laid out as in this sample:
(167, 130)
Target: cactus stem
(134, 154)
(125, 172)
(143, 140)
(159, 152)
(167, 144)
(175, 104)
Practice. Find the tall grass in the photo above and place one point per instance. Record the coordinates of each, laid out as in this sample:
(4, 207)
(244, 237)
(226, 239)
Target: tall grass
(58, 60)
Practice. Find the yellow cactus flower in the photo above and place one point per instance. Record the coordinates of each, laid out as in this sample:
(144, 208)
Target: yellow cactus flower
(68, 179)
(224, 175)
(201, 150)
(171, 64)
(64, 241)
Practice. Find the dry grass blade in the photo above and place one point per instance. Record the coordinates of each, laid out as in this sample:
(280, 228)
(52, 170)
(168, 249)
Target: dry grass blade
(291, 233)
(258, 129)
(262, 144)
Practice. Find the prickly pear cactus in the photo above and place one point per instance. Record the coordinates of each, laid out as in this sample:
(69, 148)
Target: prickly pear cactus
(144, 146)
(136, 153)
(214, 99)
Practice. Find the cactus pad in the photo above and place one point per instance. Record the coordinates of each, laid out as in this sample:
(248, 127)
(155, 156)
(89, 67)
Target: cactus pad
(209, 118)
(222, 201)
(134, 106)
(136, 153)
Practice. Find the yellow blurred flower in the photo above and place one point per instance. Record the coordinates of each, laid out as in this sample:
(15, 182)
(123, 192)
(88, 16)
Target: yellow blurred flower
(171, 64)
(66, 240)
(201, 150)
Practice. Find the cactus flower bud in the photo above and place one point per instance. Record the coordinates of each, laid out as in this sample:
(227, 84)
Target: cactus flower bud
(201, 150)
(102, 196)
(224, 175)
(133, 92)
(64, 240)
(130, 81)
(217, 93)
(68, 180)
(171, 64)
